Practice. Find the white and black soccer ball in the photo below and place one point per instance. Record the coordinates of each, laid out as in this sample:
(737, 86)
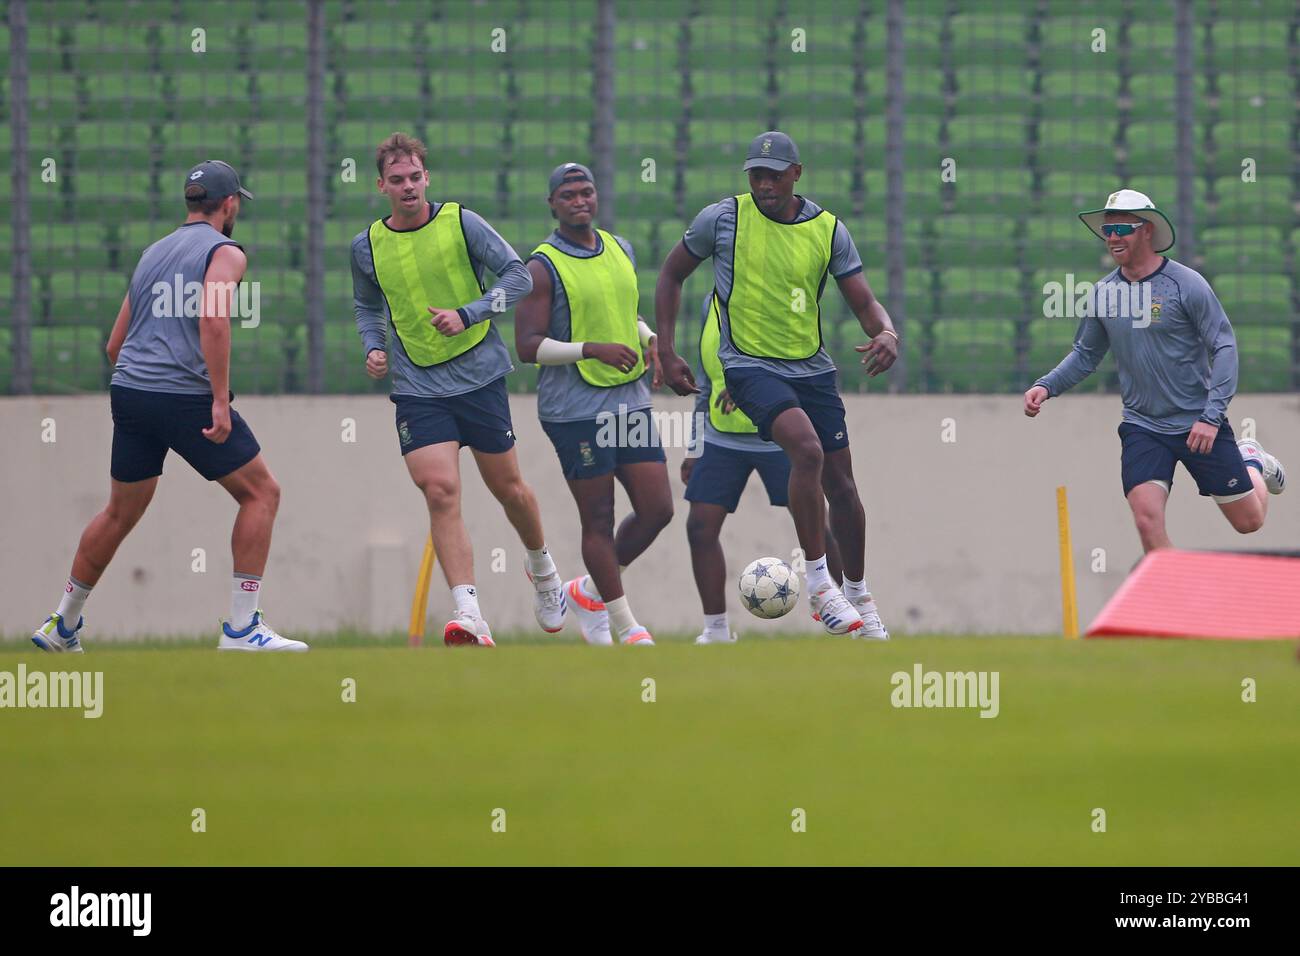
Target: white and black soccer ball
(769, 588)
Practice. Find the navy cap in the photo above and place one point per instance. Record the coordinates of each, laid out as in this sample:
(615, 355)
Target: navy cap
(218, 180)
(568, 173)
(772, 150)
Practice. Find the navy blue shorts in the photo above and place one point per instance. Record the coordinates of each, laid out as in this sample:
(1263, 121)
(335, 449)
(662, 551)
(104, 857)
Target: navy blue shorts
(1151, 456)
(147, 424)
(720, 475)
(597, 447)
(763, 395)
(480, 419)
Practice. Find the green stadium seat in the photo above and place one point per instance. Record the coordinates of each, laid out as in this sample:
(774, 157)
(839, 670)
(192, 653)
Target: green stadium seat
(1268, 142)
(1255, 95)
(1049, 342)
(1151, 45)
(1265, 360)
(981, 38)
(1238, 45)
(81, 298)
(974, 355)
(992, 293)
(1256, 299)
(974, 241)
(991, 90)
(69, 359)
(987, 141)
(1267, 201)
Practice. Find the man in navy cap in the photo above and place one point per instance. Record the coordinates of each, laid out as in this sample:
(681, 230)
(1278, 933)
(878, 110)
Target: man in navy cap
(171, 390)
(772, 251)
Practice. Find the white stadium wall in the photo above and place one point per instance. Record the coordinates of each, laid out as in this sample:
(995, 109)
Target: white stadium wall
(961, 534)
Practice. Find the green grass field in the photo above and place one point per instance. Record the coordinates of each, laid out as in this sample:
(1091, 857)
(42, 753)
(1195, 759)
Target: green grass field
(1153, 732)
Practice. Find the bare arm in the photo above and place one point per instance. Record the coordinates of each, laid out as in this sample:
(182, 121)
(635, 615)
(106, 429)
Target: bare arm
(118, 335)
(533, 313)
(223, 275)
(882, 351)
(668, 300)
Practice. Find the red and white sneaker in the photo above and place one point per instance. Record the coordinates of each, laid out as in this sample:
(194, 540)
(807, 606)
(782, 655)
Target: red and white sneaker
(1272, 470)
(467, 628)
(593, 619)
(638, 637)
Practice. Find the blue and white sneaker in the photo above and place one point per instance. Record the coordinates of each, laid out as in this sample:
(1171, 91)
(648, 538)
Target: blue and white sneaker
(835, 612)
(54, 638)
(258, 636)
(549, 604)
(1272, 470)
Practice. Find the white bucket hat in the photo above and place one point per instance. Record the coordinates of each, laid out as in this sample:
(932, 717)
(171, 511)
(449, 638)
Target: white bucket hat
(1140, 205)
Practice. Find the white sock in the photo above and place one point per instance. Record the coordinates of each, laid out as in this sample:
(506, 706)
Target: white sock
(620, 616)
(466, 598)
(245, 591)
(540, 564)
(74, 599)
(818, 575)
(856, 589)
(715, 625)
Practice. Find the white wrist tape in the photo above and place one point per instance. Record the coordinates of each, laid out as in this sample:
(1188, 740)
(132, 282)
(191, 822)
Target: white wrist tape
(645, 331)
(552, 352)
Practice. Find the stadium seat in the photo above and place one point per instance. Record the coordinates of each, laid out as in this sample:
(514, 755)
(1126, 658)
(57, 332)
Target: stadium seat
(974, 355)
(1228, 250)
(985, 293)
(69, 359)
(1256, 299)
(1265, 360)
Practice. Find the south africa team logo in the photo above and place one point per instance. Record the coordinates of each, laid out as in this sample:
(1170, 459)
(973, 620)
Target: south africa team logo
(585, 453)
(404, 433)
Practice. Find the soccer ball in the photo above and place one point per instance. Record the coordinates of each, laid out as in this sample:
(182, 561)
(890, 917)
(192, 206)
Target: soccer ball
(769, 587)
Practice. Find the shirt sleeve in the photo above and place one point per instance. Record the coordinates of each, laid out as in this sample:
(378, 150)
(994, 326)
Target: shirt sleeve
(845, 260)
(626, 247)
(703, 231)
(1205, 310)
(367, 298)
(489, 253)
(1090, 346)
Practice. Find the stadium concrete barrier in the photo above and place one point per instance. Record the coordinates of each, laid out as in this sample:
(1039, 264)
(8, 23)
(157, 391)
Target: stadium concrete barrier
(959, 493)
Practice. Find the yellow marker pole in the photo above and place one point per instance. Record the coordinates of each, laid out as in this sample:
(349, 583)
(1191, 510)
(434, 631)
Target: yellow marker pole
(420, 606)
(1069, 605)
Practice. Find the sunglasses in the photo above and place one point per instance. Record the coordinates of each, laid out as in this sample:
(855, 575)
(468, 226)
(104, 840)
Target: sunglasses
(1121, 228)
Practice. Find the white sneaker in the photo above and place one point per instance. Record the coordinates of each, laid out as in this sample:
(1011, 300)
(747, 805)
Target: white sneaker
(638, 637)
(258, 636)
(467, 628)
(55, 639)
(1272, 470)
(723, 639)
(834, 611)
(873, 629)
(593, 619)
(549, 605)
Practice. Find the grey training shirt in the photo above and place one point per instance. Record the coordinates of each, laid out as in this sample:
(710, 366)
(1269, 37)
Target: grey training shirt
(563, 395)
(481, 365)
(1180, 368)
(162, 352)
(713, 233)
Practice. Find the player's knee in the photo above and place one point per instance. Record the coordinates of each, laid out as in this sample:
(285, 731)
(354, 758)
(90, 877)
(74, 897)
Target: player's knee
(268, 493)
(807, 453)
(515, 494)
(1248, 523)
(699, 532)
(659, 514)
(441, 493)
(840, 489)
(1149, 523)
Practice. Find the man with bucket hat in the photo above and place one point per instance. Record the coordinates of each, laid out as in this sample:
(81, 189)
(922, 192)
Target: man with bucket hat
(1177, 359)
